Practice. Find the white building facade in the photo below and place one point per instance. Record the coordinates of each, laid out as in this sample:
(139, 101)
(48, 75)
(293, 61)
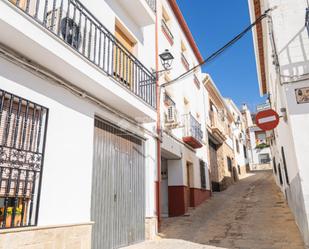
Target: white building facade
(183, 106)
(282, 50)
(78, 111)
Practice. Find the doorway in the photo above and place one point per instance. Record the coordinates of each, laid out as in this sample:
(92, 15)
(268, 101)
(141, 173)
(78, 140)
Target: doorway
(164, 187)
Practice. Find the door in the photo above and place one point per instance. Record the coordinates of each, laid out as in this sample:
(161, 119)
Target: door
(164, 187)
(123, 65)
(118, 187)
(214, 174)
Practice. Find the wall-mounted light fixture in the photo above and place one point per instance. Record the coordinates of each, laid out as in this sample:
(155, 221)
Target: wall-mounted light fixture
(166, 59)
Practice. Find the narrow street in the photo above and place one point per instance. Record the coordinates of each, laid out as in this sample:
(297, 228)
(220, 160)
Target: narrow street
(249, 215)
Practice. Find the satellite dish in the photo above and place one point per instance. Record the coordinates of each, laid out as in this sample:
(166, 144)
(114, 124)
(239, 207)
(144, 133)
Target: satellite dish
(70, 32)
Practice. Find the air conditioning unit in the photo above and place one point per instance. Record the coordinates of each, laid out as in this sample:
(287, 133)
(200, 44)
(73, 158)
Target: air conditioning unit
(171, 116)
(58, 22)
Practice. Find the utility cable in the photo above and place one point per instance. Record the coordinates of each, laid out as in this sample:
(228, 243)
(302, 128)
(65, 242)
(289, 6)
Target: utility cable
(219, 51)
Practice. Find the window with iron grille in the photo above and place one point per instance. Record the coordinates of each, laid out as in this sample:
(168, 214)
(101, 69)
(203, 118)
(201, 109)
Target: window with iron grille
(275, 165)
(245, 151)
(229, 164)
(237, 146)
(22, 138)
(280, 174)
(203, 174)
(285, 167)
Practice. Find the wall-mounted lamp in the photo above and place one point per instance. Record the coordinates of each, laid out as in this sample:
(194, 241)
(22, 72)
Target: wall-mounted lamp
(166, 59)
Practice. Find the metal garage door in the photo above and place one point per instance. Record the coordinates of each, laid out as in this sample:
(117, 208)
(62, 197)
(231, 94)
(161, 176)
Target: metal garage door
(118, 187)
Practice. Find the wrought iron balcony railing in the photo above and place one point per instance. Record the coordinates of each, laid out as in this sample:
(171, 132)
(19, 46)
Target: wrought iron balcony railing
(192, 128)
(81, 30)
(152, 4)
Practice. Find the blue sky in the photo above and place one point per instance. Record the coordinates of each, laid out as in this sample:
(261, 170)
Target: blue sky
(213, 23)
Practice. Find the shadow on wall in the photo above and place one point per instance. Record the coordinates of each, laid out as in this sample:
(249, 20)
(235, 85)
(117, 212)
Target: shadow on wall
(296, 61)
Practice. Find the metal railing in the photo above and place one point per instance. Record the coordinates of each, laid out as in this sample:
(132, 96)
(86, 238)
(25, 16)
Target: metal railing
(184, 61)
(216, 121)
(22, 141)
(152, 4)
(167, 30)
(81, 30)
(192, 127)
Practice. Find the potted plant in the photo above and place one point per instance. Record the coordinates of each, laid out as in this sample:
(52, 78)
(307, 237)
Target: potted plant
(9, 214)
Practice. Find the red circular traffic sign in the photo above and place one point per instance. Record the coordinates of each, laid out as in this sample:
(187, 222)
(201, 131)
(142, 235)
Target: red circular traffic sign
(267, 120)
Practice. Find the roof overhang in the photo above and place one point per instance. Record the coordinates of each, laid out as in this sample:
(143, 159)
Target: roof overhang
(256, 9)
(184, 26)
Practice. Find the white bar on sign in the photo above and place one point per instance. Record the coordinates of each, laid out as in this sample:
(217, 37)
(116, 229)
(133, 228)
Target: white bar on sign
(267, 119)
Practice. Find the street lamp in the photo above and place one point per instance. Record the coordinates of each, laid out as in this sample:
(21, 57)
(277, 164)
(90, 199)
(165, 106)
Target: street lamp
(166, 59)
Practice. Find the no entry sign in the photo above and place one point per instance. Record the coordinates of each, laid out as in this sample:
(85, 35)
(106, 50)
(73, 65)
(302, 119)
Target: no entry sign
(267, 120)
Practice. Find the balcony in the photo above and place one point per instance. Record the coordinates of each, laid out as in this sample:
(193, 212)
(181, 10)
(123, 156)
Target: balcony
(185, 62)
(66, 38)
(167, 32)
(146, 10)
(192, 132)
(218, 127)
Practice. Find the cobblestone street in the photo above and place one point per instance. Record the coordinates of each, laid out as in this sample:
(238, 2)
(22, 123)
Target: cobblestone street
(251, 214)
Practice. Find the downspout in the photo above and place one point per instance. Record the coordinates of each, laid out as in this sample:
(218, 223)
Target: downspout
(158, 93)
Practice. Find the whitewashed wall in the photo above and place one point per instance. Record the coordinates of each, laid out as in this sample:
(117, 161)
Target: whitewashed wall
(66, 184)
(292, 48)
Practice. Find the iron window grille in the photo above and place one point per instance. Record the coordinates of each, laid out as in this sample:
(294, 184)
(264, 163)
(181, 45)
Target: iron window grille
(229, 164)
(22, 140)
(152, 4)
(167, 31)
(203, 174)
(73, 23)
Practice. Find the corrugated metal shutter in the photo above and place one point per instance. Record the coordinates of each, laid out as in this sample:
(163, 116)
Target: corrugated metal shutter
(118, 187)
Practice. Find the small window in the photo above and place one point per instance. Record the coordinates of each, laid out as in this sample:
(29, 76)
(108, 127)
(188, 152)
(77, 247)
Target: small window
(275, 165)
(280, 174)
(203, 174)
(245, 152)
(237, 146)
(285, 167)
(229, 164)
(239, 171)
(264, 158)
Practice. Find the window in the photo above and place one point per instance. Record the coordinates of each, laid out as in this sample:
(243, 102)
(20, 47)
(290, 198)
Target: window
(245, 152)
(275, 165)
(264, 158)
(237, 146)
(22, 136)
(229, 164)
(239, 171)
(203, 174)
(285, 167)
(280, 174)
(166, 26)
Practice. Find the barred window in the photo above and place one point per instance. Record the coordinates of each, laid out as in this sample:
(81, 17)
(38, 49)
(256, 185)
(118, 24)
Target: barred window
(22, 136)
(203, 174)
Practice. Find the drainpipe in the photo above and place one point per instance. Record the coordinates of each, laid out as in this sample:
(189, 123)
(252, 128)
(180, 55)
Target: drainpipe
(158, 94)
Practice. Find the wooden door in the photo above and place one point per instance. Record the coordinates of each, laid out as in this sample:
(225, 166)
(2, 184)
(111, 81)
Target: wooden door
(123, 64)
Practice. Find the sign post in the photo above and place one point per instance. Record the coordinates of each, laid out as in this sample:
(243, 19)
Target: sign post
(267, 120)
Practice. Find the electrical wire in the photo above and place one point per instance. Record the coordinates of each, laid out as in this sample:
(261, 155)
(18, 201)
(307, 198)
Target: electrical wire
(219, 51)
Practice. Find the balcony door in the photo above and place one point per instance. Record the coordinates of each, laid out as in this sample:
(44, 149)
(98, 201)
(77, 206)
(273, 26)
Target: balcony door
(123, 65)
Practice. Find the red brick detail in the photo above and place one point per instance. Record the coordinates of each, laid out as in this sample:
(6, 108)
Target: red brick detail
(198, 196)
(177, 200)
